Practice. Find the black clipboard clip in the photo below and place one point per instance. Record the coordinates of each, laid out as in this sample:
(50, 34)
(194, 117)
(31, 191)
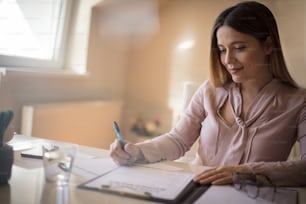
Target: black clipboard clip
(129, 192)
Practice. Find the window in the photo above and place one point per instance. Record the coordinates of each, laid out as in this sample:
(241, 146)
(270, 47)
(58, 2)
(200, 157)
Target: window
(32, 33)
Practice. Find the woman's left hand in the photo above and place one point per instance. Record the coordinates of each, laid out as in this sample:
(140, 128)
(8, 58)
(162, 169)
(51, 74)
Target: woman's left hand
(220, 175)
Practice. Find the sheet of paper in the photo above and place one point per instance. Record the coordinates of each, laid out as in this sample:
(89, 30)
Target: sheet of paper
(229, 195)
(88, 167)
(22, 142)
(139, 179)
(162, 166)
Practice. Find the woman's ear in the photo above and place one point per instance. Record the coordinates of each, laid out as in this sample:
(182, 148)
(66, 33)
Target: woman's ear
(268, 45)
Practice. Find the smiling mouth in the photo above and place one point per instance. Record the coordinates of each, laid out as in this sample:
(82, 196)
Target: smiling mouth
(235, 70)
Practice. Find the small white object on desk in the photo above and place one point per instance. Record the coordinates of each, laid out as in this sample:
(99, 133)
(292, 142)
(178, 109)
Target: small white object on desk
(229, 195)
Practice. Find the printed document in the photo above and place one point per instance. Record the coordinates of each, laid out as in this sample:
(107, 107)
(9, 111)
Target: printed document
(229, 195)
(140, 180)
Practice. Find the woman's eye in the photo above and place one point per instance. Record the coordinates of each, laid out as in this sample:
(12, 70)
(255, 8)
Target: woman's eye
(221, 50)
(240, 48)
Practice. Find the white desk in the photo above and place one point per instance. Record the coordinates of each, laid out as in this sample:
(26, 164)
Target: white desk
(27, 185)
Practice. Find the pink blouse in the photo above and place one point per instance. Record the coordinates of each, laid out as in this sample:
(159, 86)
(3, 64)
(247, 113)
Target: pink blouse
(263, 140)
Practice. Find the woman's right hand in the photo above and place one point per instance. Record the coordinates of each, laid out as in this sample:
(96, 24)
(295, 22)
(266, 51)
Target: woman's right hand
(126, 155)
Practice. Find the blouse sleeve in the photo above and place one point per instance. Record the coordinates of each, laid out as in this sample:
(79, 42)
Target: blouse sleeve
(174, 144)
(302, 131)
(287, 173)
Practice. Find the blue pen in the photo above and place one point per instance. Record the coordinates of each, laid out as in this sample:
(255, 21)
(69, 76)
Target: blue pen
(119, 135)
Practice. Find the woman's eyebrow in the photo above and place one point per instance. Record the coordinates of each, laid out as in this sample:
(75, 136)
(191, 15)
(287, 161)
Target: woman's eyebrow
(233, 43)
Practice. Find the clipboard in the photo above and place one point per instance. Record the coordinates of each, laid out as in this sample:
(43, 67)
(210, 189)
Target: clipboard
(35, 153)
(148, 184)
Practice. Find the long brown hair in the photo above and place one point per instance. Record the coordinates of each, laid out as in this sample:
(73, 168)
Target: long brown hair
(254, 19)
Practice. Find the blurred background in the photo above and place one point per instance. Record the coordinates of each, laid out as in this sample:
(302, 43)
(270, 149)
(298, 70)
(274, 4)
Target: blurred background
(139, 54)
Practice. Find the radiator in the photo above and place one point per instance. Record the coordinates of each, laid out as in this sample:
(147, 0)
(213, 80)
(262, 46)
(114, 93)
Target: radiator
(86, 123)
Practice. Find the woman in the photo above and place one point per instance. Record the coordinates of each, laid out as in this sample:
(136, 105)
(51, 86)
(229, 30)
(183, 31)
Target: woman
(248, 116)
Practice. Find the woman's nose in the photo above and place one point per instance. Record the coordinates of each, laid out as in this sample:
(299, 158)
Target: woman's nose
(229, 57)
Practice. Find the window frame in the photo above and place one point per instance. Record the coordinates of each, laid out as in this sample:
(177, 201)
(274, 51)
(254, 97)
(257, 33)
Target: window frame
(56, 63)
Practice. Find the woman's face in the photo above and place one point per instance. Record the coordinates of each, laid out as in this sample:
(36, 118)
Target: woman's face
(244, 57)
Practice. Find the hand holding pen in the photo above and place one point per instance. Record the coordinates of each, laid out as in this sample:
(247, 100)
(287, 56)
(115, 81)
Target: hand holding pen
(119, 135)
(121, 152)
